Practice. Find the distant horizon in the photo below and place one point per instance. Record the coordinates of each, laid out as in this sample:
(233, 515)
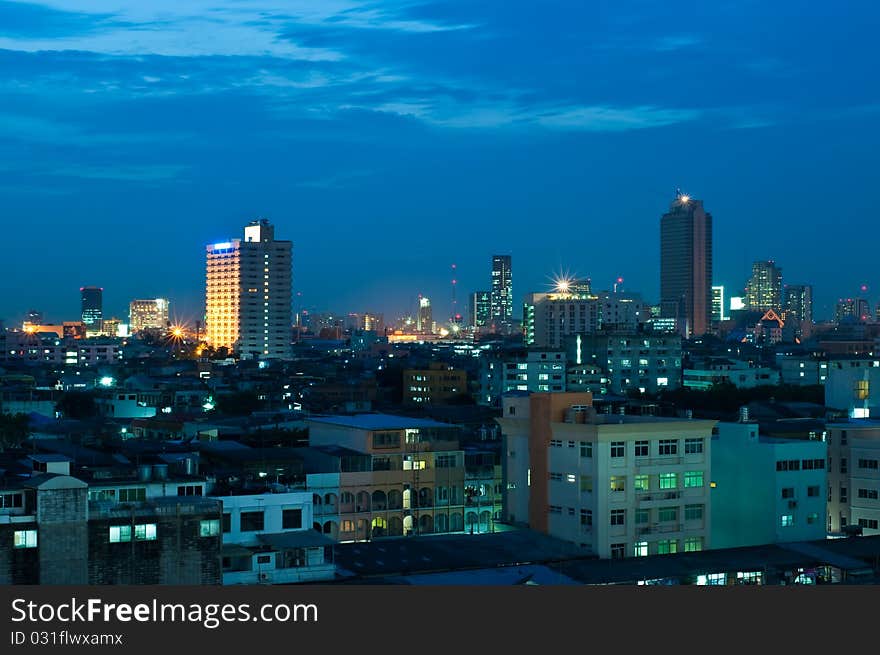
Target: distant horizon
(390, 140)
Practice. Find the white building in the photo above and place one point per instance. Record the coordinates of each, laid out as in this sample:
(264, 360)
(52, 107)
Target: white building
(268, 539)
(766, 489)
(854, 475)
(248, 294)
(620, 486)
(853, 386)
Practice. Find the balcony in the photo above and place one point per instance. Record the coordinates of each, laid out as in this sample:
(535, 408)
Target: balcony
(662, 494)
(659, 528)
(671, 460)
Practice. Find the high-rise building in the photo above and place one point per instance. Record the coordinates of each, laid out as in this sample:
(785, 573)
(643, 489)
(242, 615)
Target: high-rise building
(718, 304)
(852, 309)
(501, 294)
(764, 289)
(424, 319)
(799, 308)
(480, 308)
(148, 314)
(91, 299)
(248, 294)
(686, 265)
(34, 317)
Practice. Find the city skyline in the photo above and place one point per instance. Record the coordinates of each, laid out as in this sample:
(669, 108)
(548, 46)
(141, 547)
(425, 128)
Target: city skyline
(367, 136)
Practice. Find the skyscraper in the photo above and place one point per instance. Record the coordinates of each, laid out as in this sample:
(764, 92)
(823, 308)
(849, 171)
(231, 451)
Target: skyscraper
(91, 299)
(799, 308)
(248, 294)
(480, 308)
(148, 314)
(501, 293)
(424, 319)
(718, 304)
(686, 265)
(764, 289)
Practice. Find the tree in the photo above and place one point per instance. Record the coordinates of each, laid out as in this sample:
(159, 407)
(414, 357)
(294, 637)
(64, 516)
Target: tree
(78, 405)
(14, 429)
(240, 403)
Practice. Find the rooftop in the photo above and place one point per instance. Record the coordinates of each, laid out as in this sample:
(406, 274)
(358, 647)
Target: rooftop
(378, 422)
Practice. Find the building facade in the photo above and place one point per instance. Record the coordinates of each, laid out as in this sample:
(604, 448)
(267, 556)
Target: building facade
(686, 265)
(148, 314)
(501, 292)
(619, 486)
(764, 288)
(766, 489)
(92, 306)
(248, 294)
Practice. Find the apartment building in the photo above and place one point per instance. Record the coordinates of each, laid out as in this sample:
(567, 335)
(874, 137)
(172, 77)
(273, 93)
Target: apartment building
(396, 475)
(766, 489)
(619, 486)
(854, 476)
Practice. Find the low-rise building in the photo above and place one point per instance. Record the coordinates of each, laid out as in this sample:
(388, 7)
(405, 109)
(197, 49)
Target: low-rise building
(766, 489)
(617, 485)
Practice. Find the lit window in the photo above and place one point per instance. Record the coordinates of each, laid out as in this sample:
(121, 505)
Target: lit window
(24, 539)
(618, 483)
(209, 528)
(120, 533)
(145, 532)
(787, 520)
(693, 479)
(641, 549)
(668, 480)
(640, 483)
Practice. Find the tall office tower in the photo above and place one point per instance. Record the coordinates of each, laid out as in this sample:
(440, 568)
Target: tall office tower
(92, 307)
(686, 265)
(855, 309)
(248, 294)
(148, 314)
(799, 308)
(501, 294)
(34, 317)
(480, 308)
(764, 289)
(718, 304)
(424, 318)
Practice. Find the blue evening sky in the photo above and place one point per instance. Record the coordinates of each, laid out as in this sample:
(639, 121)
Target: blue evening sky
(389, 140)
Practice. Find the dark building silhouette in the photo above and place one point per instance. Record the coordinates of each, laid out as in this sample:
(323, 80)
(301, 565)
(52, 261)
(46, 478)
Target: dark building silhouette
(686, 265)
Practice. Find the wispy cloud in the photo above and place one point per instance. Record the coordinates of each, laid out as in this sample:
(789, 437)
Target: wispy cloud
(507, 113)
(123, 173)
(197, 28)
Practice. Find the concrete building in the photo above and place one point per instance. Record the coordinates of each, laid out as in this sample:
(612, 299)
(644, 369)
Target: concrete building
(798, 309)
(433, 386)
(501, 293)
(533, 369)
(480, 308)
(631, 362)
(853, 387)
(148, 314)
(397, 475)
(59, 529)
(686, 265)
(718, 308)
(268, 539)
(740, 374)
(619, 486)
(92, 305)
(854, 476)
(764, 489)
(802, 369)
(248, 294)
(764, 288)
